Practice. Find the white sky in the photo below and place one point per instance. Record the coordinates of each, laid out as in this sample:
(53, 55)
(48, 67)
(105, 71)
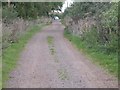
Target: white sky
(67, 3)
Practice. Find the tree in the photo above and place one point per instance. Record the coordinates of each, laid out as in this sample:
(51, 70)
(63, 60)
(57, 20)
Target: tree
(28, 10)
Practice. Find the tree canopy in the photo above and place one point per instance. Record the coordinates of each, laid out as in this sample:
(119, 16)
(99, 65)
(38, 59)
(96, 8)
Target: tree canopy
(28, 10)
(106, 16)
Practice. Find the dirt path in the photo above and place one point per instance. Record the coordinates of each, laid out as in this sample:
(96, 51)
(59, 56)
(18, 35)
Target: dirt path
(50, 61)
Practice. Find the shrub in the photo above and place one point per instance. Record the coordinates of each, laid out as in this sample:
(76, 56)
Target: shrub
(9, 14)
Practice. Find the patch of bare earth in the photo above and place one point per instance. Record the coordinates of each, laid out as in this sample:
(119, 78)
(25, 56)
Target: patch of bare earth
(50, 61)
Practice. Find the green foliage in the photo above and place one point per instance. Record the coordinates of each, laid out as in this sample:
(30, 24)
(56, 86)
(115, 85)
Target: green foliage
(109, 62)
(9, 13)
(84, 9)
(30, 10)
(91, 38)
(110, 18)
(99, 42)
(105, 35)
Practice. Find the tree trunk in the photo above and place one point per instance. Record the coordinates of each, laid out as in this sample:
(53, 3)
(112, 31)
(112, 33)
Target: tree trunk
(9, 3)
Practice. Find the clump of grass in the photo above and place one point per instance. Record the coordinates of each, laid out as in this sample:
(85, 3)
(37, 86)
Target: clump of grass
(51, 46)
(52, 51)
(62, 73)
(11, 54)
(50, 40)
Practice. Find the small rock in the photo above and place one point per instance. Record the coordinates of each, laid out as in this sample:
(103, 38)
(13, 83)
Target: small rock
(11, 77)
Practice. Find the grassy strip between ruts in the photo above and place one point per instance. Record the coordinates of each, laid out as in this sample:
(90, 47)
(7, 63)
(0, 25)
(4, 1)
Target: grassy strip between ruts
(109, 62)
(11, 54)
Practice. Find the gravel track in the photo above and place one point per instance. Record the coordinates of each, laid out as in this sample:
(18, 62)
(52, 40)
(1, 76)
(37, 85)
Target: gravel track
(66, 67)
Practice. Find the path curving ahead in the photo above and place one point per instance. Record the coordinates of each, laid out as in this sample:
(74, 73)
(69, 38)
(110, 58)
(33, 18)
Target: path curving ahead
(50, 61)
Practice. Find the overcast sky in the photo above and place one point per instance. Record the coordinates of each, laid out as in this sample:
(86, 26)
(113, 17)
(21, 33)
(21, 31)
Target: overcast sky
(67, 3)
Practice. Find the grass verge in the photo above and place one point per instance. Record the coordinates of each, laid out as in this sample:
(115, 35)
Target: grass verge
(11, 54)
(109, 62)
